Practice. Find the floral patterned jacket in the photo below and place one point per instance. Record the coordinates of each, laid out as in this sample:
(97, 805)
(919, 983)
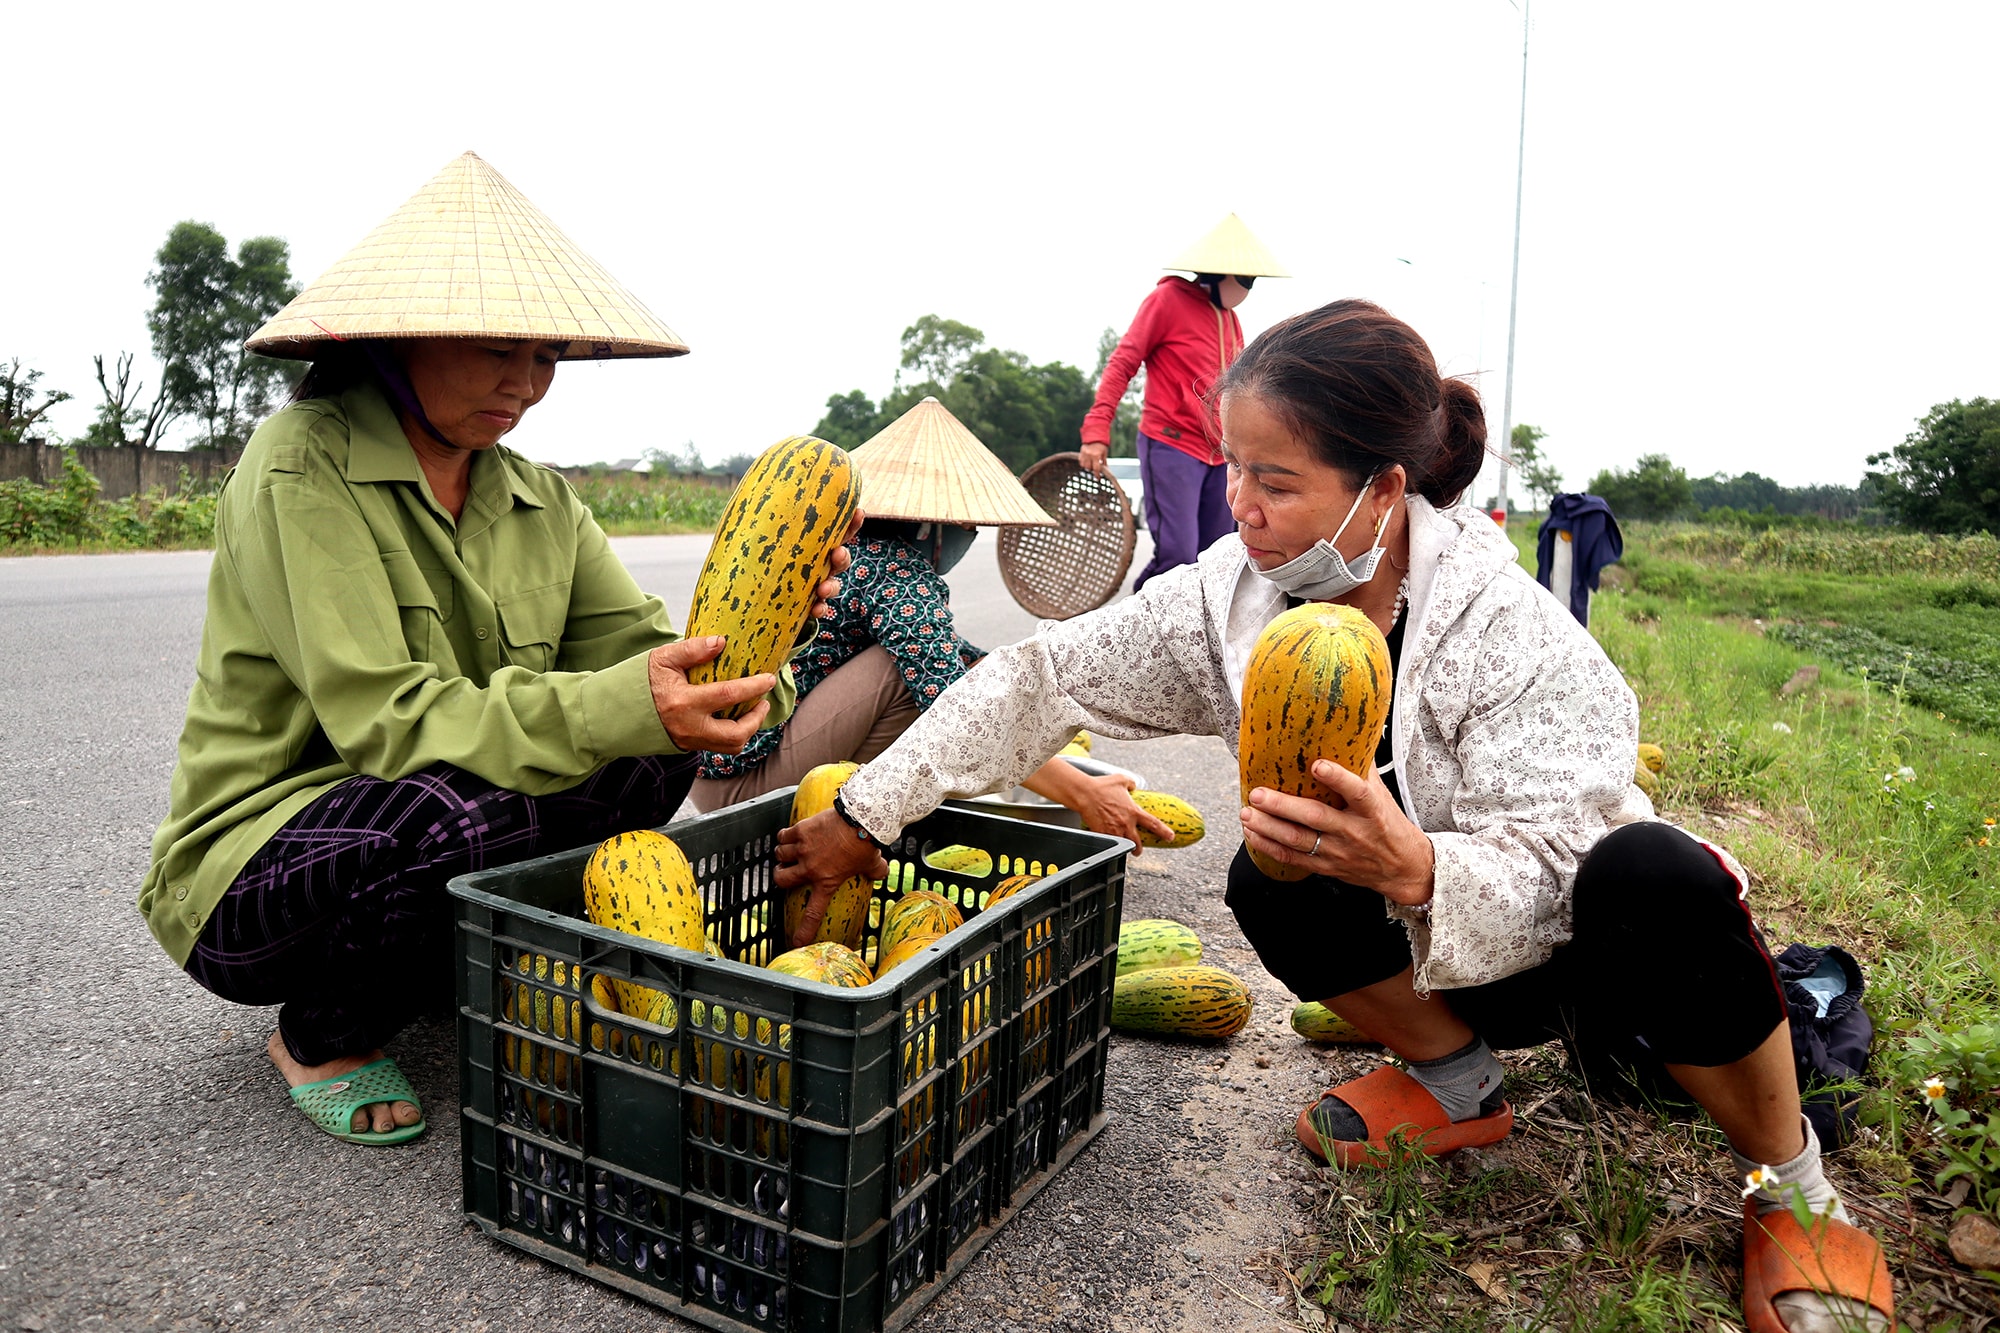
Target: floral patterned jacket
(892, 595)
(1515, 736)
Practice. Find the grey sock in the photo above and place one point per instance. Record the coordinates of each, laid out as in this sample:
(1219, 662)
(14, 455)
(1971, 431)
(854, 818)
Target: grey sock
(1469, 1073)
(1803, 1174)
(1466, 1082)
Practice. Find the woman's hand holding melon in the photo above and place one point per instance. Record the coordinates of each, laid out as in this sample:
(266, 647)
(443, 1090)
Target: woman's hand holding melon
(1362, 837)
(1102, 801)
(825, 852)
(688, 711)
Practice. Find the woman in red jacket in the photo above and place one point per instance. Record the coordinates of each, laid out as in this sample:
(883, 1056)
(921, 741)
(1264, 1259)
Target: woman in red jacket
(1186, 333)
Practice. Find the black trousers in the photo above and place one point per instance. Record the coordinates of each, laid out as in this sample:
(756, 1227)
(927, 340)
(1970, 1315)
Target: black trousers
(1665, 965)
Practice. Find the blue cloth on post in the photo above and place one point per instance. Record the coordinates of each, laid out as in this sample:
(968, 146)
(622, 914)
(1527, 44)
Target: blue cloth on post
(1594, 543)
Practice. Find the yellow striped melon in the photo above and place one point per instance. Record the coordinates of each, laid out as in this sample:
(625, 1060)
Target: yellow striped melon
(1008, 887)
(1156, 943)
(1317, 687)
(641, 883)
(959, 859)
(846, 919)
(1316, 1022)
(904, 950)
(1176, 814)
(771, 550)
(1199, 1001)
(919, 912)
(834, 964)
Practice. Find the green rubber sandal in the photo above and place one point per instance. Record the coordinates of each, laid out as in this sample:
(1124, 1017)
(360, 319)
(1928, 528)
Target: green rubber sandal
(332, 1102)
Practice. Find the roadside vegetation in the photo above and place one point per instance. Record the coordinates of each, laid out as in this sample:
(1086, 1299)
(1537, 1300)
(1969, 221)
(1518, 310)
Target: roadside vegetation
(68, 515)
(1864, 800)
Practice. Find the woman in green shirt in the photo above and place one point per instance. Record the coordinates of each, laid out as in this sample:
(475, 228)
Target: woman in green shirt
(420, 655)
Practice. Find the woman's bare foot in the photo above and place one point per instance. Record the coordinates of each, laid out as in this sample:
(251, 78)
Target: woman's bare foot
(375, 1118)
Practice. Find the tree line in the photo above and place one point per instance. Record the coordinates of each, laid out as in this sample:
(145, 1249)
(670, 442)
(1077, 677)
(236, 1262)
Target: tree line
(206, 303)
(1021, 411)
(1944, 477)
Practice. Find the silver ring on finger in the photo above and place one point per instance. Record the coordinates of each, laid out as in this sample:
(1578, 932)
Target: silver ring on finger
(1315, 847)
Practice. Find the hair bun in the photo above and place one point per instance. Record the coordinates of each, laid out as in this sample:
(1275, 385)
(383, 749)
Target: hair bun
(1461, 443)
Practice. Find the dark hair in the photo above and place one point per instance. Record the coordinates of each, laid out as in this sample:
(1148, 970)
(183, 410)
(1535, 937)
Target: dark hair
(334, 371)
(1362, 388)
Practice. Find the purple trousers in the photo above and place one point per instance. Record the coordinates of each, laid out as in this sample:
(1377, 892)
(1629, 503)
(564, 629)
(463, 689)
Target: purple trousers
(343, 918)
(1187, 506)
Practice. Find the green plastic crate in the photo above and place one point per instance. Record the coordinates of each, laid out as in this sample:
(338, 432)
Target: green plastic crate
(781, 1154)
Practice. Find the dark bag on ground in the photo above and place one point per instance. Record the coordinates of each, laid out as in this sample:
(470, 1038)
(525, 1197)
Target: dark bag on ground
(1831, 1034)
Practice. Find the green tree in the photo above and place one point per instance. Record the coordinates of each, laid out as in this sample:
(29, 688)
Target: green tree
(207, 305)
(119, 416)
(19, 412)
(1125, 422)
(1654, 488)
(1945, 475)
(851, 420)
(1538, 475)
(1021, 411)
(940, 348)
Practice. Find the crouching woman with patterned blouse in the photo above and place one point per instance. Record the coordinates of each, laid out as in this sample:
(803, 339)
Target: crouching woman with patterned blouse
(1485, 886)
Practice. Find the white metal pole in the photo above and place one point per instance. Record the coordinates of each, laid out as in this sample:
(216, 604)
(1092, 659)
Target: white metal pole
(1514, 298)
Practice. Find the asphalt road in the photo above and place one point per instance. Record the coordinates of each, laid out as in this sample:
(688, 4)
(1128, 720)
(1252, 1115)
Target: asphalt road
(154, 1175)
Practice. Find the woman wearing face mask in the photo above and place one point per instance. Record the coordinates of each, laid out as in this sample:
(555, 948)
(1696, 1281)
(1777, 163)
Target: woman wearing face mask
(1185, 334)
(1488, 883)
(890, 647)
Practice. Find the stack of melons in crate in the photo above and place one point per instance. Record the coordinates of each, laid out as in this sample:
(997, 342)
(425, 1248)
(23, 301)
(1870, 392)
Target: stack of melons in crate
(640, 882)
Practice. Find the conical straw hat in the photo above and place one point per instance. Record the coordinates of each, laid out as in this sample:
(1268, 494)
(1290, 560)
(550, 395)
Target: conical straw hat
(468, 256)
(926, 465)
(1230, 248)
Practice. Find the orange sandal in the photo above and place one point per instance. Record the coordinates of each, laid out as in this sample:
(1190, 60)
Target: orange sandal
(1389, 1100)
(1833, 1258)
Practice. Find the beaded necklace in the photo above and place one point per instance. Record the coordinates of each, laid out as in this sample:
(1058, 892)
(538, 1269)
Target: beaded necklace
(1402, 600)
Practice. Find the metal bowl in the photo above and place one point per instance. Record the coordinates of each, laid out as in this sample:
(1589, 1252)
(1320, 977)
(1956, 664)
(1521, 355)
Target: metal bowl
(1020, 803)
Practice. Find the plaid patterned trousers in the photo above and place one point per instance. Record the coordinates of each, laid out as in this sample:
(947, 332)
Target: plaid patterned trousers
(343, 919)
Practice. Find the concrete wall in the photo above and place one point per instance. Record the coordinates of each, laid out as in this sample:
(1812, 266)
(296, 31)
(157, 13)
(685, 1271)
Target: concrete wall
(121, 472)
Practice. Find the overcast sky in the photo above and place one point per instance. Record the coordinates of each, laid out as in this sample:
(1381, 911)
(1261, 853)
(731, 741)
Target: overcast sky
(1753, 235)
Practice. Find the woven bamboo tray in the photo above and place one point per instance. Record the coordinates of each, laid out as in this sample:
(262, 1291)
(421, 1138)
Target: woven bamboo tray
(1079, 564)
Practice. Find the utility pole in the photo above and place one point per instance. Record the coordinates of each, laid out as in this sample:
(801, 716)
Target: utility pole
(1514, 298)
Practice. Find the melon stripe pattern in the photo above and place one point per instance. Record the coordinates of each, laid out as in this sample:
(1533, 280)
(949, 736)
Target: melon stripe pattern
(917, 913)
(1198, 1001)
(770, 552)
(834, 964)
(1317, 687)
(1176, 814)
(1156, 943)
(1316, 1022)
(641, 883)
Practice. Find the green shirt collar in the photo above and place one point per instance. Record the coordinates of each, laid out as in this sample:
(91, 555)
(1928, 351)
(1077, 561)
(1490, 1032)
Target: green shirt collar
(377, 450)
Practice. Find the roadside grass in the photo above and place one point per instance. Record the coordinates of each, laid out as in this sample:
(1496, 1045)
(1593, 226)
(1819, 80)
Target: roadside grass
(1937, 634)
(1859, 802)
(68, 517)
(630, 505)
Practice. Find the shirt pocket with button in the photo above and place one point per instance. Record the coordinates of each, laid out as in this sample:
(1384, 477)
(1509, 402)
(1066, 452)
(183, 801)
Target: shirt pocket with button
(423, 603)
(531, 625)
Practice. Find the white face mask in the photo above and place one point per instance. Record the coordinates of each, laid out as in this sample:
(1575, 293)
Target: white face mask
(1321, 573)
